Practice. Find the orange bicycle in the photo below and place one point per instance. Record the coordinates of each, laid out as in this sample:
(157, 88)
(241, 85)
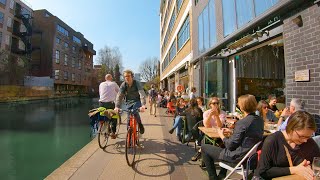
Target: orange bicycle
(132, 138)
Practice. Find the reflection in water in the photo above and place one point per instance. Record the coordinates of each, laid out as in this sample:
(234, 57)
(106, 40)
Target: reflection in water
(36, 137)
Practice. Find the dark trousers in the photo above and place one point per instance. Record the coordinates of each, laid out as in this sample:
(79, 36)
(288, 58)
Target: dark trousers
(210, 154)
(113, 121)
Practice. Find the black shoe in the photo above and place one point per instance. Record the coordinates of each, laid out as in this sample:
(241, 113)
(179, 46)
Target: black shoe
(221, 176)
(171, 131)
(141, 128)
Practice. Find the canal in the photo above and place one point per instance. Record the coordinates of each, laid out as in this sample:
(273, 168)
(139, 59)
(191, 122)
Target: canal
(36, 137)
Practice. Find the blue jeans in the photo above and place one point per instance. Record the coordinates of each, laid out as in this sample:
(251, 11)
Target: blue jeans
(136, 114)
(177, 125)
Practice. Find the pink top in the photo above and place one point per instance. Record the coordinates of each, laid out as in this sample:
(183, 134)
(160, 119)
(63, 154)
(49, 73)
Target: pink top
(213, 121)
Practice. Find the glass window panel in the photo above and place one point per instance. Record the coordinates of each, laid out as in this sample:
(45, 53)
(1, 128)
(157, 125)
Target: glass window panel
(262, 5)
(212, 26)
(200, 34)
(229, 19)
(206, 28)
(244, 11)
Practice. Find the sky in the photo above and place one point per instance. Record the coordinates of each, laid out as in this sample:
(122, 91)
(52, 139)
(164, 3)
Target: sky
(130, 25)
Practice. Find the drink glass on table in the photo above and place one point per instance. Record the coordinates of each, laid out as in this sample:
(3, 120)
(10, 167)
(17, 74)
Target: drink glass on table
(316, 167)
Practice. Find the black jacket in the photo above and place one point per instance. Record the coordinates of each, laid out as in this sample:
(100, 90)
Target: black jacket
(247, 132)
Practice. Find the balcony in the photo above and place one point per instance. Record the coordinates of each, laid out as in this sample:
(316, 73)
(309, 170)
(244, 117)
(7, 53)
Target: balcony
(88, 50)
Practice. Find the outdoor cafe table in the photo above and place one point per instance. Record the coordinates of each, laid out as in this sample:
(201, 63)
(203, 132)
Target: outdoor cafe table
(212, 133)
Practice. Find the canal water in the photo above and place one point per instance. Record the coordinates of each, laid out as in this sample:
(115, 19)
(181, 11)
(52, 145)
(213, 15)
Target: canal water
(36, 137)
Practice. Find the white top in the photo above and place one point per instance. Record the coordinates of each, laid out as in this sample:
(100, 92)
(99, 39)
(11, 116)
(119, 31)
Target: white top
(108, 91)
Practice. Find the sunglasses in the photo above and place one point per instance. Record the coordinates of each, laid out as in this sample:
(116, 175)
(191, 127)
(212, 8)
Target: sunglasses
(214, 103)
(266, 107)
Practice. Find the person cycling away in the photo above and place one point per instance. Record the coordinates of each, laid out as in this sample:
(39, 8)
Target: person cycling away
(108, 91)
(135, 97)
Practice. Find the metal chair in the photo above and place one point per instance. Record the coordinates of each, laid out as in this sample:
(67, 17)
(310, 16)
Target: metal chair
(239, 168)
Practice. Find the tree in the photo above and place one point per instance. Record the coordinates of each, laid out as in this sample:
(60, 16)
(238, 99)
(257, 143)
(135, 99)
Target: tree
(149, 69)
(13, 68)
(117, 74)
(109, 58)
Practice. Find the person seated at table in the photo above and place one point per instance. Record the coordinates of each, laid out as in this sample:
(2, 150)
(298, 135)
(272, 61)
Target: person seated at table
(213, 117)
(290, 151)
(272, 104)
(266, 114)
(247, 132)
(296, 104)
(193, 115)
(201, 104)
(180, 107)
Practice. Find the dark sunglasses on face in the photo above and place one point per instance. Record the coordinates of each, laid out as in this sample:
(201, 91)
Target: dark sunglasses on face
(215, 103)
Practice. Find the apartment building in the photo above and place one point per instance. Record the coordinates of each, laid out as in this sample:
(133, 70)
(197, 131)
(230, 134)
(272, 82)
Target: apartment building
(15, 31)
(261, 47)
(175, 43)
(61, 53)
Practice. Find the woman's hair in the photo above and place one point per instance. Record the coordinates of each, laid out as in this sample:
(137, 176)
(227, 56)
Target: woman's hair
(261, 105)
(201, 99)
(193, 108)
(247, 103)
(210, 102)
(301, 120)
(178, 101)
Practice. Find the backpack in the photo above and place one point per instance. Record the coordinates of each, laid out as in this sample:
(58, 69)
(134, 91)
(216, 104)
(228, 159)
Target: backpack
(153, 94)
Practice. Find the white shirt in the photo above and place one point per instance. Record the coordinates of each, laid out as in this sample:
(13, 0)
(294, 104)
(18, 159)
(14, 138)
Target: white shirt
(108, 91)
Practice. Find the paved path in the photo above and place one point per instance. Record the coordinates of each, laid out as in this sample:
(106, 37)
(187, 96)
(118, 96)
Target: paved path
(161, 157)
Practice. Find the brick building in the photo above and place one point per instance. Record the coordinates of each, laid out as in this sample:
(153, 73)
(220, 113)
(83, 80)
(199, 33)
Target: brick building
(61, 53)
(260, 47)
(15, 32)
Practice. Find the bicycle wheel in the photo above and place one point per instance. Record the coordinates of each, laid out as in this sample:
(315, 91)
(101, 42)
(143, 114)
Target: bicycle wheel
(130, 147)
(103, 134)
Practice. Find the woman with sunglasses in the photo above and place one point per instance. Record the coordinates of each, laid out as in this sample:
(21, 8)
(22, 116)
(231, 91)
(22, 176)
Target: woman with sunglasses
(214, 117)
(247, 132)
(290, 151)
(266, 114)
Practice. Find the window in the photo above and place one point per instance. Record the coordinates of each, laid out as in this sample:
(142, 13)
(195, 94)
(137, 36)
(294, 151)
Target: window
(184, 33)
(23, 28)
(207, 27)
(205, 19)
(66, 59)
(56, 74)
(66, 45)
(72, 77)
(21, 45)
(1, 17)
(79, 64)
(76, 40)
(0, 38)
(11, 4)
(65, 75)
(3, 2)
(62, 30)
(179, 4)
(229, 18)
(46, 15)
(58, 40)
(57, 56)
(73, 49)
(172, 20)
(244, 11)
(212, 26)
(9, 22)
(8, 40)
(73, 62)
(262, 5)
(172, 51)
